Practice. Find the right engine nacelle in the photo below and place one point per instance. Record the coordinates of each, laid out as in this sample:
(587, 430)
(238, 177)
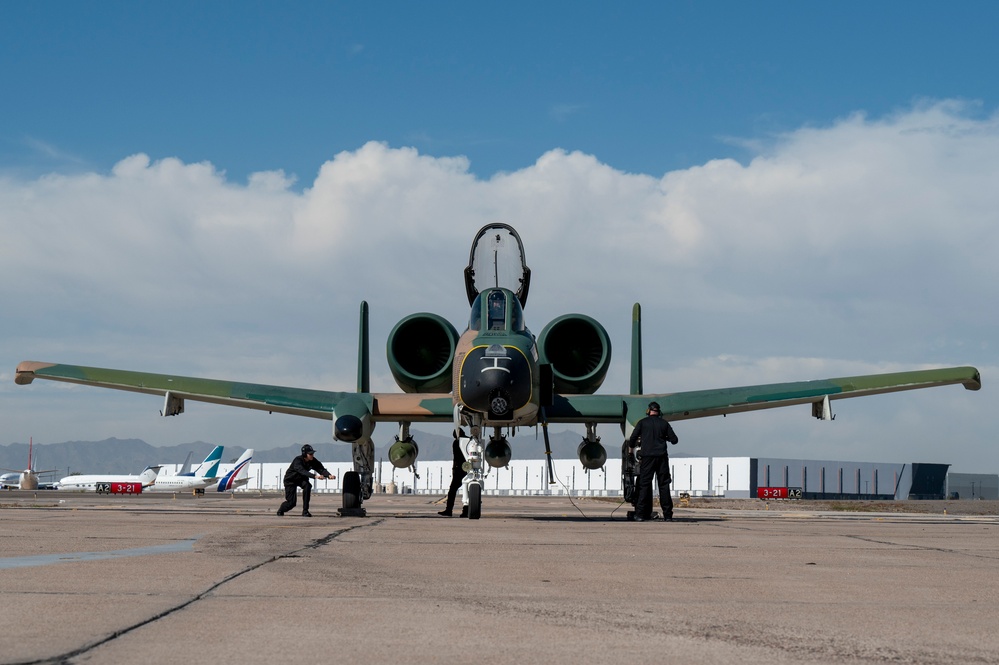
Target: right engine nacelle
(420, 353)
(579, 351)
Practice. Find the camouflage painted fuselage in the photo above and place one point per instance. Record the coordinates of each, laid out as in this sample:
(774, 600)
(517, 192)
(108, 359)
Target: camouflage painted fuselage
(496, 362)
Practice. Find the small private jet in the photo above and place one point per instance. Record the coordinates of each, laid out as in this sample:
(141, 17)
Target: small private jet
(110, 483)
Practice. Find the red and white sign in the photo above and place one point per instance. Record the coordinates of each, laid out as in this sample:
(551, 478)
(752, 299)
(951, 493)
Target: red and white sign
(778, 492)
(119, 488)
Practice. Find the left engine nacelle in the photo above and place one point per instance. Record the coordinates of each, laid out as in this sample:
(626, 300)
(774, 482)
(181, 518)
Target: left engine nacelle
(579, 351)
(420, 353)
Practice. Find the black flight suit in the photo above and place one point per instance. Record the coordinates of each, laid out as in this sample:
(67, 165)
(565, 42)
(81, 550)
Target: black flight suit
(457, 476)
(297, 476)
(654, 432)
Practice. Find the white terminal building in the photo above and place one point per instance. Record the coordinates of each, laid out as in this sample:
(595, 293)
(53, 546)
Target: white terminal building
(727, 477)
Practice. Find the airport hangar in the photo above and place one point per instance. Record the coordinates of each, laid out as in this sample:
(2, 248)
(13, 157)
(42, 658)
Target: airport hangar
(724, 477)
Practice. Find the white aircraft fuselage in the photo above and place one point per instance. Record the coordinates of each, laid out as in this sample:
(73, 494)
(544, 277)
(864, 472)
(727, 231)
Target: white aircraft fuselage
(95, 483)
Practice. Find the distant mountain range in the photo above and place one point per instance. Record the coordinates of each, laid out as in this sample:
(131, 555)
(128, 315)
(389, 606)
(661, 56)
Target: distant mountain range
(133, 455)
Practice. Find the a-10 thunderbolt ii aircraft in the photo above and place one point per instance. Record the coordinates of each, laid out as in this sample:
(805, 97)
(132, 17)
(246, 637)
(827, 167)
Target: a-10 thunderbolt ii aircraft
(492, 379)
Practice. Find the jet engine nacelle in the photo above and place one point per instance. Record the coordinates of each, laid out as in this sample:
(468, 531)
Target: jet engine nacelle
(579, 351)
(498, 453)
(421, 352)
(592, 454)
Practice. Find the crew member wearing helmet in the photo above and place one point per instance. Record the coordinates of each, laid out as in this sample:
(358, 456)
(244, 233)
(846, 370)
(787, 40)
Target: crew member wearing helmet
(653, 431)
(302, 469)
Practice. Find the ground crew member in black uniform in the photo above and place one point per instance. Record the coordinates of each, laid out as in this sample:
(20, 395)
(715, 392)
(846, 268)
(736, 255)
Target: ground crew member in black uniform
(653, 431)
(302, 468)
(457, 475)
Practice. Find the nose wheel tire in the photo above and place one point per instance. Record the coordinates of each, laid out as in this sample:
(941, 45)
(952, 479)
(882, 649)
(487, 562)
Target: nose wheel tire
(474, 501)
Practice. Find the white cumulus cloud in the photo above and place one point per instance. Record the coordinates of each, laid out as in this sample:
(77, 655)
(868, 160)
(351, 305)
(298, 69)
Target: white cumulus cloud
(867, 245)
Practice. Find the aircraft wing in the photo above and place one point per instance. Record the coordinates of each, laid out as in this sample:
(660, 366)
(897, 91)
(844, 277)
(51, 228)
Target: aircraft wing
(704, 403)
(438, 407)
(306, 402)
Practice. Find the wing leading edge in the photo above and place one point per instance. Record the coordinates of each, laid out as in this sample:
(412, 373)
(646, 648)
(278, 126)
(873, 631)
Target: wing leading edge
(306, 402)
(438, 407)
(704, 403)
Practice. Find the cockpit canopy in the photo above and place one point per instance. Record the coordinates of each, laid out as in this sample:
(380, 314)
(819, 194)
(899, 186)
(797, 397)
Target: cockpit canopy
(497, 261)
(497, 310)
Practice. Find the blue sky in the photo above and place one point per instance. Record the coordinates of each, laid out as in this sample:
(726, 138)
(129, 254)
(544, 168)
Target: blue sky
(792, 190)
(647, 87)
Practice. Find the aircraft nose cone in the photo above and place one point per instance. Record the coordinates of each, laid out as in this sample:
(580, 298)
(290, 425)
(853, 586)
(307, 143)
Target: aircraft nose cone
(347, 428)
(495, 381)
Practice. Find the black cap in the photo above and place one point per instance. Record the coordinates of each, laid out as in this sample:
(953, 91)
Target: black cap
(306, 449)
(654, 406)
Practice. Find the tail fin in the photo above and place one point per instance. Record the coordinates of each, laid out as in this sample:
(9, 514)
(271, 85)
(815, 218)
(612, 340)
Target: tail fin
(636, 350)
(363, 364)
(239, 475)
(210, 467)
(148, 475)
(185, 468)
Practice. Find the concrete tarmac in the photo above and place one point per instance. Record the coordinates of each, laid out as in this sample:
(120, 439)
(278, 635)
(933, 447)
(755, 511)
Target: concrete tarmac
(157, 579)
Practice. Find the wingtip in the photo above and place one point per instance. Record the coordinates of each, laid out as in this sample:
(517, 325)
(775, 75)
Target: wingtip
(974, 383)
(25, 372)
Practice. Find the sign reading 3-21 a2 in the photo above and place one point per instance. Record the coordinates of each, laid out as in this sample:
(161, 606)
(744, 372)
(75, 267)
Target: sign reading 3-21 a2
(778, 492)
(117, 487)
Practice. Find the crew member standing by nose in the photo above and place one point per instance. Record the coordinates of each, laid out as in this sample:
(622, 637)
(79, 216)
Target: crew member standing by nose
(302, 469)
(457, 475)
(653, 431)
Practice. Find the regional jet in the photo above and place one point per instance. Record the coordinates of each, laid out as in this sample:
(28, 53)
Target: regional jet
(204, 476)
(493, 379)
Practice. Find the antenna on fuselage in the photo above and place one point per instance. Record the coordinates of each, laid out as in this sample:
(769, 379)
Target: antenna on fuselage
(636, 350)
(363, 363)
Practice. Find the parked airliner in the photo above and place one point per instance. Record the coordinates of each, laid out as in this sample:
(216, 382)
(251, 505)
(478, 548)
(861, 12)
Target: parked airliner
(204, 476)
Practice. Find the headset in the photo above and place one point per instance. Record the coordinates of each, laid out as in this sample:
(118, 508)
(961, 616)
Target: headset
(653, 406)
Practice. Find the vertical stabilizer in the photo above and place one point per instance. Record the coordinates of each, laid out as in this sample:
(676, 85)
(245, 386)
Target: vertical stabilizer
(363, 364)
(636, 350)
(210, 467)
(148, 475)
(239, 475)
(185, 468)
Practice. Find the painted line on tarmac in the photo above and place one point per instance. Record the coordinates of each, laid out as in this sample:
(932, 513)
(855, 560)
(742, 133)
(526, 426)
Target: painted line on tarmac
(74, 557)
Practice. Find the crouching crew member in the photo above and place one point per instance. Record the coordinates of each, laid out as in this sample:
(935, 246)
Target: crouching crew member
(302, 469)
